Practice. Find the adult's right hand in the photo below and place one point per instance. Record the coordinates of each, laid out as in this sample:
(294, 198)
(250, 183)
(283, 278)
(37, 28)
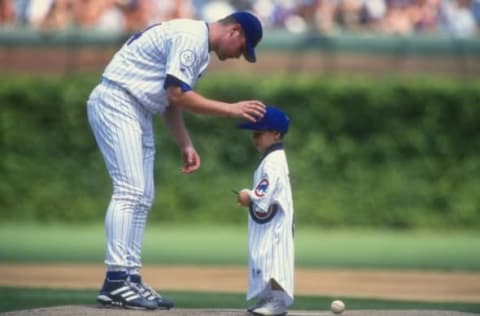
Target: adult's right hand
(251, 110)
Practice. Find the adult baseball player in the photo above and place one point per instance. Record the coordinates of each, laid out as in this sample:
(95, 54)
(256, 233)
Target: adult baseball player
(154, 73)
(271, 220)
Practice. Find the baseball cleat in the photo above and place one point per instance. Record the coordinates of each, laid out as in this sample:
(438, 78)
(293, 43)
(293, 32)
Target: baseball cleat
(123, 294)
(150, 294)
(271, 307)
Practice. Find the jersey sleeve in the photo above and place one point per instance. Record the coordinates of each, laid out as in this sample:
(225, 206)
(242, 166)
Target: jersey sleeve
(184, 60)
(264, 191)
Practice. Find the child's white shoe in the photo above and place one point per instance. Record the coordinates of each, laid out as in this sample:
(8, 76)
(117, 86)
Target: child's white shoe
(259, 303)
(271, 307)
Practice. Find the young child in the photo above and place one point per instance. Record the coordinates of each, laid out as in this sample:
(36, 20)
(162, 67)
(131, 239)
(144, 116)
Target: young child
(270, 224)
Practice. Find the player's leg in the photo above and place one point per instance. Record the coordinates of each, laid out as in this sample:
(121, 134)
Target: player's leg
(274, 303)
(118, 136)
(128, 190)
(135, 243)
(261, 298)
(140, 221)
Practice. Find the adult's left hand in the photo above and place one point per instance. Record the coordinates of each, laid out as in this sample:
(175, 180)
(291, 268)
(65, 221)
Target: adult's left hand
(191, 160)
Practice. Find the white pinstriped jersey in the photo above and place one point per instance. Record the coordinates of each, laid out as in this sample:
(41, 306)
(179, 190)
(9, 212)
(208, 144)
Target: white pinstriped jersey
(178, 48)
(270, 227)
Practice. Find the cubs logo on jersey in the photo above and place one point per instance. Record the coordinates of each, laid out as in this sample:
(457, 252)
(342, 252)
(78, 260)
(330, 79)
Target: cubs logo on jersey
(261, 188)
(263, 217)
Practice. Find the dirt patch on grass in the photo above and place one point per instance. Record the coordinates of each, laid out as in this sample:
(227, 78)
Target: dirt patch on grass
(399, 285)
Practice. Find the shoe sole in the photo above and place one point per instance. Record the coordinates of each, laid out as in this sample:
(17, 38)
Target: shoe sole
(164, 307)
(107, 302)
(260, 314)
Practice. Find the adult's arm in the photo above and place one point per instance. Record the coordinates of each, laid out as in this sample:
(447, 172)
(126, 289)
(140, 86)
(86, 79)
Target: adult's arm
(194, 102)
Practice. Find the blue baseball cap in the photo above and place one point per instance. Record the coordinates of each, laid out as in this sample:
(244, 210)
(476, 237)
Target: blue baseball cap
(252, 27)
(273, 120)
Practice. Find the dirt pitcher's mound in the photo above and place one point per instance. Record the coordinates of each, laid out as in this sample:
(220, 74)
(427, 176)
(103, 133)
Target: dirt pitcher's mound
(84, 310)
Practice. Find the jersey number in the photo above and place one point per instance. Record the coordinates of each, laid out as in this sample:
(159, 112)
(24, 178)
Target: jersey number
(137, 35)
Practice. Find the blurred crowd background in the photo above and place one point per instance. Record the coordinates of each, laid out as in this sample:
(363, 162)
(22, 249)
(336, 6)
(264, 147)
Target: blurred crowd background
(455, 18)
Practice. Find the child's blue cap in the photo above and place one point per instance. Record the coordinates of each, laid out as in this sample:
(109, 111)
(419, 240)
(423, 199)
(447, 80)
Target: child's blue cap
(273, 120)
(252, 27)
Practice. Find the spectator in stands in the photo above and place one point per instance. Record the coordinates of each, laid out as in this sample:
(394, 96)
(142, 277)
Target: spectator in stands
(134, 14)
(242, 5)
(397, 20)
(476, 11)
(457, 19)
(325, 16)
(104, 15)
(37, 11)
(424, 14)
(59, 16)
(20, 9)
(213, 10)
(373, 12)
(164, 10)
(349, 14)
(7, 12)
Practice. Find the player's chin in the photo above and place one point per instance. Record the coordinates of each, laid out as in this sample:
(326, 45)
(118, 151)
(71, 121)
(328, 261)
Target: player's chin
(223, 57)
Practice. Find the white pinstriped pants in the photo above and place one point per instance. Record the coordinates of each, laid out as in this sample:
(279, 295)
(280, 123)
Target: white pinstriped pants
(124, 134)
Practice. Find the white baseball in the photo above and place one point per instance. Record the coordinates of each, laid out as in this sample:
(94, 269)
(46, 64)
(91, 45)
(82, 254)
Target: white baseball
(337, 307)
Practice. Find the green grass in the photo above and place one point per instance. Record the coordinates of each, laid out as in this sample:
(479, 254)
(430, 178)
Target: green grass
(15, 298)
(209, 244)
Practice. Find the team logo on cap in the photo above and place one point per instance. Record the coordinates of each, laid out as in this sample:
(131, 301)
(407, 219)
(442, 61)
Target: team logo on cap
(187, 58)
(261, 188)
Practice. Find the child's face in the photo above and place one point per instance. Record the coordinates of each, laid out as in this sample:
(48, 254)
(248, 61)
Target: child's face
(264, 139)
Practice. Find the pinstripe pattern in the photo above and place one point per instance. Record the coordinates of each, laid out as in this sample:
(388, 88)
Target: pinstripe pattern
(123, 131)
(271, 247)
(120, 113)
(142, 64)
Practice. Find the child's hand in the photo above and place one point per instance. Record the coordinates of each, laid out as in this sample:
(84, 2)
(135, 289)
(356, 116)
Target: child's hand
(242, 198)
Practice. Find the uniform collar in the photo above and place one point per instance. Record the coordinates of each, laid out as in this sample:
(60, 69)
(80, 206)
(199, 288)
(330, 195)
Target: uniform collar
(208, 36)
(272, 148)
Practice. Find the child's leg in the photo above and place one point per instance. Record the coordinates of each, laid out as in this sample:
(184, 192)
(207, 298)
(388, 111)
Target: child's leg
(273, 302)
(261, 298)
(277, 293)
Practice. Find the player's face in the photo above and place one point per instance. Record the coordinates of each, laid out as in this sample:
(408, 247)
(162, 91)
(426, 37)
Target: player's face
(232, 44)
(265, 139)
